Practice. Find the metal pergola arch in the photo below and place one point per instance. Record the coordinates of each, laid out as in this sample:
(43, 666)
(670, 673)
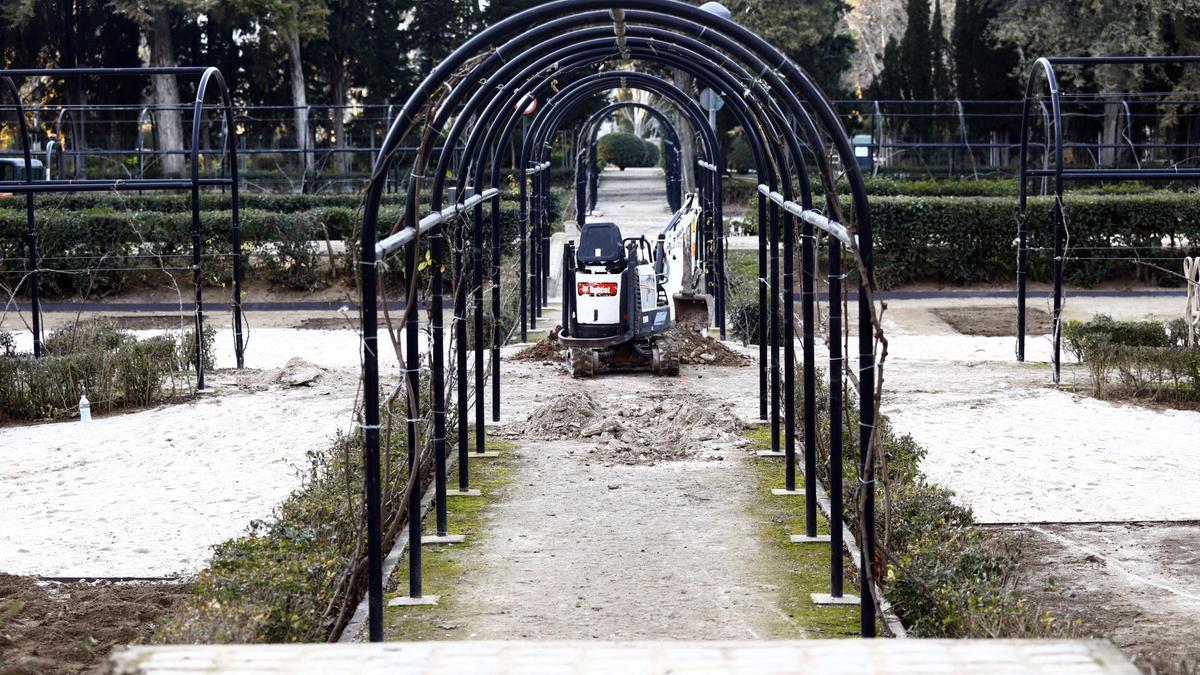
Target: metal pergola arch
(208, 76)
(781, 76)
(1044, 69)
(586, 181)
(551, 115)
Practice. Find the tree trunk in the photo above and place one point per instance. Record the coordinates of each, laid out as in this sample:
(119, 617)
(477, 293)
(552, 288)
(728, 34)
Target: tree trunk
(300, 100)
(339, 123)
(1112, 135)
(688, 152)
(166, 93)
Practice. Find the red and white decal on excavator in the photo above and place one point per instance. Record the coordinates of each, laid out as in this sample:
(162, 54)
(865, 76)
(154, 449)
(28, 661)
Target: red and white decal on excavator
(597, 289)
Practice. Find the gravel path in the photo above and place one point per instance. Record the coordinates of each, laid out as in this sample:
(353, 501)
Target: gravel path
(582, 547)
(634, 199)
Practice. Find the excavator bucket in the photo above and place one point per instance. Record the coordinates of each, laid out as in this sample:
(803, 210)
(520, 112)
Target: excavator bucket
(693, 310)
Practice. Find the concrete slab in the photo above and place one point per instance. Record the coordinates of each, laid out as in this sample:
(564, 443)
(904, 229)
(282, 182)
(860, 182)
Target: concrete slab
(781, 491)
(827, 599)
(463, 493)
(413, 602)
(482, 455)
(444, 539)
(805, 539)
(811, 657)
(768, 453)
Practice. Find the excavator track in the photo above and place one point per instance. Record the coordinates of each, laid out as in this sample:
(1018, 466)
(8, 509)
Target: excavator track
(581, 363)
(665, 356)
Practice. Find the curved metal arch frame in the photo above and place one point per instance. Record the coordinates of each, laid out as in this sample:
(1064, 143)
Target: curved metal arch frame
(708, 77)
(551, 115)
(585, 185)
(206, 76)
(780, 70)
(1044, 69)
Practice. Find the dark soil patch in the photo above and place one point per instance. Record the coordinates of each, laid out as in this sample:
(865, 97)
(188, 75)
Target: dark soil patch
(991, 321)
(546, 350)
(329, 323)
(702, 350)
(152, 321)
(58, 628)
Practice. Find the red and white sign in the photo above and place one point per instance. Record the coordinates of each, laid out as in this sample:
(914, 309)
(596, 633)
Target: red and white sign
(597, 289)
(530, 103)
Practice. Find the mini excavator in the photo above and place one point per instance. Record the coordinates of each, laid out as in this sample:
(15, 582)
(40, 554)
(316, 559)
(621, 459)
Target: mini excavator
(622, 296)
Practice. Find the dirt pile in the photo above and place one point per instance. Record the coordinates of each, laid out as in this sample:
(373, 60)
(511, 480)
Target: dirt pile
(563, 416)
(48, 627)
(698, 349)
(546, 350)
(627, 430)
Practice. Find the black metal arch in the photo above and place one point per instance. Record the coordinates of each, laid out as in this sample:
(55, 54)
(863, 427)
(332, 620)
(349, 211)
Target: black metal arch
(207, 76)
(585, 198)
(528, 28)
(1043, 69)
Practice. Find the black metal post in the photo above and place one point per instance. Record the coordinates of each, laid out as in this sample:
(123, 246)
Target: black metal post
(773, 210)
(789, 353)
(808, 301)
(412, 377)
(835, 418)
(762, 305)
(437, 376)
(497, 335)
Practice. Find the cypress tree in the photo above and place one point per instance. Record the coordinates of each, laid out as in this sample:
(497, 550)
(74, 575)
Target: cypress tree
(942, 88)
(915, 48)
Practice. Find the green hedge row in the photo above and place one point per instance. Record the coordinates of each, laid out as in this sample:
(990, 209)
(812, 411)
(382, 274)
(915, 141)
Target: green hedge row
(209, 201)
(114, 368)
(1136, 358)
(973, 239)
(114, 245)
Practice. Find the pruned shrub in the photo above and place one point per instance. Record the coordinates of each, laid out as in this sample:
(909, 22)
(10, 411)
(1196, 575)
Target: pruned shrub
(1146, 359)
(114, 368)
(626, 151)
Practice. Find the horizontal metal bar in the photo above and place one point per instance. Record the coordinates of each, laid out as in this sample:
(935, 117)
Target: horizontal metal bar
(1100, 60)
(72, 72)
(393, 243)
(706, 165)
(814, 218)
(1120, 174)
(104, 185)
(537, 168)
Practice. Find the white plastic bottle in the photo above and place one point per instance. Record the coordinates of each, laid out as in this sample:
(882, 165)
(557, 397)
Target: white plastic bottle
(85, 409)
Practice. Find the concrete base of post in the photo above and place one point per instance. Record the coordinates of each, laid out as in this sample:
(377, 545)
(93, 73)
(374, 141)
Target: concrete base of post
(781, 491)
(463, 493)
(483, 455)
(413, 602)
(805, 539)
(827, 599)
(768, 453)
(443, 539)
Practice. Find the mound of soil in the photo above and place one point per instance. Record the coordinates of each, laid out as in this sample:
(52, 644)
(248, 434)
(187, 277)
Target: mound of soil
(329, 323)
(546, 350)
(59, 628)
(153, 321)
(563, 416)
(625, 430)
(702, 350)
(993, 321)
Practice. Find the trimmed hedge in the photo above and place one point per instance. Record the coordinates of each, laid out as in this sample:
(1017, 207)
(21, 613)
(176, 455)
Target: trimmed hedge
(1145, 358)
(279, 242)
(973, 239)
(626, 151)
(113, 367)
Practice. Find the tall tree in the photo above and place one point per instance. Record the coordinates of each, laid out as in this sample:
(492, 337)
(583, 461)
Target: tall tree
(1037, 28)
(155, 19)
(915, 49)
(812, 33)
(981, 68)
(939, 73)
(294, 23)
